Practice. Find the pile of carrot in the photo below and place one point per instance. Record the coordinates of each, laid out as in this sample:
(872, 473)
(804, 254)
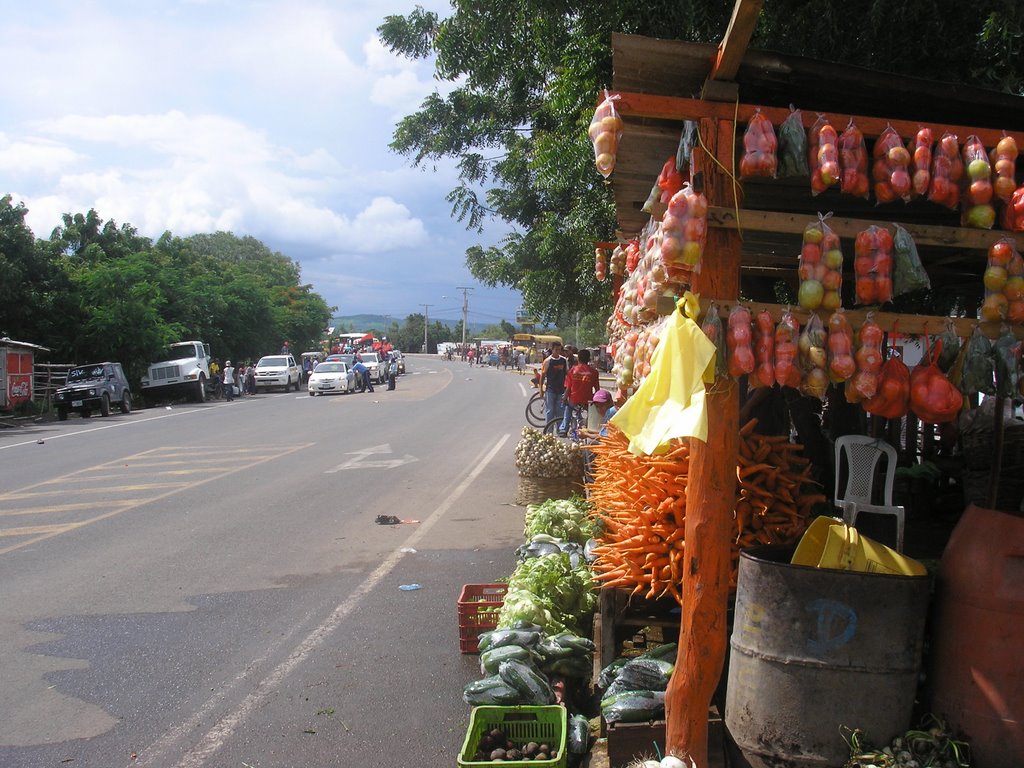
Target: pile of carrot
(641, 503)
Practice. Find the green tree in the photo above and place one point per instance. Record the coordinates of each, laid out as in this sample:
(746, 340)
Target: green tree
(26, 276)
(528, 74)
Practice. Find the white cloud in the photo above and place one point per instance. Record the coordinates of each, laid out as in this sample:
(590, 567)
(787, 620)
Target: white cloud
(268, 118)
(34, 156)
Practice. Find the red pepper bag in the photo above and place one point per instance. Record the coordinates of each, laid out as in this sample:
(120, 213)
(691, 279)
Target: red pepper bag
(933, 398)
(892, 397)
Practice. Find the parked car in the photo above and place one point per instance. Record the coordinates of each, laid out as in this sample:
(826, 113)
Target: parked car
(278, 371)
(378, 371)
(94, 386)
(330, 377)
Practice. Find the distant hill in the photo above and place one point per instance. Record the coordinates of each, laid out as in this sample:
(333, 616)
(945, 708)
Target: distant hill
(380, 322)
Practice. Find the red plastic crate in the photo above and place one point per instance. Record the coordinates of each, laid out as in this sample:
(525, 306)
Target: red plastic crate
(478, 612)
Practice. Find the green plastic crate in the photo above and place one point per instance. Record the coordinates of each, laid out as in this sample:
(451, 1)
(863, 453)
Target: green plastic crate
(522, 725)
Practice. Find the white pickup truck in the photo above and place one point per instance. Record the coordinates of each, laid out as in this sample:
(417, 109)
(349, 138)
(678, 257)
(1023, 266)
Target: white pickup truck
(183, 369)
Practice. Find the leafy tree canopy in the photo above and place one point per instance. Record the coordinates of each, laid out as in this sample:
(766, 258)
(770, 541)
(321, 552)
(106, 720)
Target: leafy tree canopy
(528, 74)
(96, 290)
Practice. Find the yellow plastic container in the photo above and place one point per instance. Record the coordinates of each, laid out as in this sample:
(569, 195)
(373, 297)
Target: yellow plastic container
(831, 543)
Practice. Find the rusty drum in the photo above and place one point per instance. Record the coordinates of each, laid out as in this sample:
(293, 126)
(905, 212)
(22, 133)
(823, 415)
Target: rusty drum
(813, 650)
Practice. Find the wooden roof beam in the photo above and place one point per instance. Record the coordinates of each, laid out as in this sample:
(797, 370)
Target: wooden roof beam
(733, 47)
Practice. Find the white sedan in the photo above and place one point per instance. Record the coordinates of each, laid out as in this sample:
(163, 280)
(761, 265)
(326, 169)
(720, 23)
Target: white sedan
(331, 377)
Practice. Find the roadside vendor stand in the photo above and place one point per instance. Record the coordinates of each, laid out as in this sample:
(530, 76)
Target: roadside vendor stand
(754, 235)
(16, 364)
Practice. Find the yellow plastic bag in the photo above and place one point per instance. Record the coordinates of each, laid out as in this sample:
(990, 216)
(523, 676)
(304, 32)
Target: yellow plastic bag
(670, 402)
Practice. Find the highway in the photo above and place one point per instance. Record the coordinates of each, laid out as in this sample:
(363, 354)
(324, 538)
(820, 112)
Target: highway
(207, 585)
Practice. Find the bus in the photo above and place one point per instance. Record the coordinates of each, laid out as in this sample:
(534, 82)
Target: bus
(533, 344)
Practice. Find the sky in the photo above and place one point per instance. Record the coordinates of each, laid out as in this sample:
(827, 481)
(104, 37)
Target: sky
(268, 118)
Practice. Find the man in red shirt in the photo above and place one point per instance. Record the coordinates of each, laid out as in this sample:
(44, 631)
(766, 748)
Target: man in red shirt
(580, 385)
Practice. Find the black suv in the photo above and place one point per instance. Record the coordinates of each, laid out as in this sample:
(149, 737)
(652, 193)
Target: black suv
(93, 386)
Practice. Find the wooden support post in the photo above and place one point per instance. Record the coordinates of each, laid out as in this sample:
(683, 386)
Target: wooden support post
(711, 495)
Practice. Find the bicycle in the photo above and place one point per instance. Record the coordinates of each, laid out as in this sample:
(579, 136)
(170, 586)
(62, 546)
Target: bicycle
(577, 423)
(536, 413)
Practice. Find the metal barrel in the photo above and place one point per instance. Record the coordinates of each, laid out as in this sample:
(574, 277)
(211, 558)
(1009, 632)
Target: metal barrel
(977, 669)
(815, 651)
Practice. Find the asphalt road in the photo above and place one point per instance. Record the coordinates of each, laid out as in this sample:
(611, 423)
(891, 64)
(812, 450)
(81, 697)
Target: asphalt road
(205, 585)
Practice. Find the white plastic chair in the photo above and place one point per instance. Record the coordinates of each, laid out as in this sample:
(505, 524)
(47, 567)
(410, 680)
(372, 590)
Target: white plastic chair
(862, 455)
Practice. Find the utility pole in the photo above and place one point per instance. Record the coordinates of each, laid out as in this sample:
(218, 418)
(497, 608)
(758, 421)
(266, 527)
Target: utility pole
(425, 321)
(465, 310)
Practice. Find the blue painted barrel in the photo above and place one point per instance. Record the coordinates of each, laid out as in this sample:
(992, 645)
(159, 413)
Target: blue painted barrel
(814, 650)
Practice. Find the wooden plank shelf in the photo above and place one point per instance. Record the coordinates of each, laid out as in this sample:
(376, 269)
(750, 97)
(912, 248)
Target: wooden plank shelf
(676, 109)
(907, 324)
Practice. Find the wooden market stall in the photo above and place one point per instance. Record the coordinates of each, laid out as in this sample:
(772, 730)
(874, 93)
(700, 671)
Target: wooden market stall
(754, 237)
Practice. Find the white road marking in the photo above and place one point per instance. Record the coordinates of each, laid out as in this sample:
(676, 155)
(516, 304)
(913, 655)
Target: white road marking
(87, 430)
(217, 736)
(359, 460)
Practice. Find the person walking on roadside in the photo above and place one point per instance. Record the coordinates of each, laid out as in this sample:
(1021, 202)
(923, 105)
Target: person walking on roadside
(552, 382)
(229, 381)
(583, 381)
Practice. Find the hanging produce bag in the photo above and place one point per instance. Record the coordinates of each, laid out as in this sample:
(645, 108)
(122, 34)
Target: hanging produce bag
(892, 395)
(872, 266)
(978, 366)
(823, 155)
(863, 384)
(684, 230)
(921, 162)
(787, 370)
(759, 148)
(1004, 283)
(821, 267)
(978, 211)
(950, 349)
(1012, 219)
(1004, 163)
(712, 327)
(738, 340)
(891, 167)
(853, 162)
(764, 350)
(605, 132)
(933, 398)
(600, 264)
(793, 146)
(670, 180)
(947, 170)
(909, 274)
(1006, 352)
(841, 365)
(814, 359)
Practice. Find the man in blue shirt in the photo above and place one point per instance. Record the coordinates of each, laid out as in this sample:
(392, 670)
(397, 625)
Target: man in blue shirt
(364, 373)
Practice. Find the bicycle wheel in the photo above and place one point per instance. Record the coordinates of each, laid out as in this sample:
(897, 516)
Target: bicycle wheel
(535, 411)
(554, 427)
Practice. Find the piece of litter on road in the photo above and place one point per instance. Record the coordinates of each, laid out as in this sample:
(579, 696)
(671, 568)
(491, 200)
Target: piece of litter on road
(407, 550)
(409, 587)
(392, 520)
